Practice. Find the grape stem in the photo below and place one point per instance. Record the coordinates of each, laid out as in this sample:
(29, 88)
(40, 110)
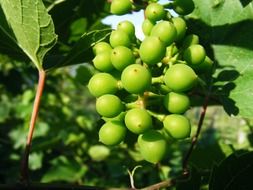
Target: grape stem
(24, 164)
(195, 137)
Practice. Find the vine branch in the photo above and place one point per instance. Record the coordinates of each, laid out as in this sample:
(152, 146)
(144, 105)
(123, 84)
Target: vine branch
(195, 137)
(24, 164)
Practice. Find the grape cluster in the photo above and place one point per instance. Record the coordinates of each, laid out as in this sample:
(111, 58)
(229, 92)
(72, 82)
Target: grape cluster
(141, 83)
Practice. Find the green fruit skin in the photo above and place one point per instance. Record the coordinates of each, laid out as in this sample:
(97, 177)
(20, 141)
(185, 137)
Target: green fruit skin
(102, 61)
(153, 146)
(154, 12)
(183, 7)
(109, 105)
(136, 78)
(121, 57)
(180, 26)
(180, 78)
(194, 54)
(102, 83)
(119, 38)
(189, 40)
(147, 26)
(205, 67)
(101, 47)
(138, 120)
(178, 126)
(152, 50)
(176, 102)
(120, 7)
(165, 31)
(128, 27)
(112, 133)
(98, 152)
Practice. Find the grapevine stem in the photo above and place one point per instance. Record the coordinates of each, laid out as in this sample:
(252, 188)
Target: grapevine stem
(24, 164)
(195, 137)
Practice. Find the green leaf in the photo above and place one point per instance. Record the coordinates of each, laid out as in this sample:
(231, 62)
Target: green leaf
(64, 169)
(226, 29)
(81, 52)
(235, 172)
(27, 24)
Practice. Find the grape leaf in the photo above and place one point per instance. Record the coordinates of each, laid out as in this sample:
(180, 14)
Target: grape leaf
(235, 172)
(81, 52)
(27, 24)
(226, 29)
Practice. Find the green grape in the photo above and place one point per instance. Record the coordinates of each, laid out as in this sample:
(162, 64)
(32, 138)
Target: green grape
(189, 40)
(176, 102)
(153, 146)
(121, 57)
(120, 7)
(101, 47)
(109, 105)
(194, 54)
(204, 67)
(180, 26)
(147, 26)
(166, 32)
(180, 78)
(138, 120)
(152, 50)
(178, 126)
(128, 27)
(155, 12)
(136, 78)
(102, 83)
(119, 38)
(183, 7)
(98, 152)
(102, 61)
(112, 133)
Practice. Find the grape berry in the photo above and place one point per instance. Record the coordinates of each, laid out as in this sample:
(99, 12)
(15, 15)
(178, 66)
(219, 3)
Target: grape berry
(142, 83)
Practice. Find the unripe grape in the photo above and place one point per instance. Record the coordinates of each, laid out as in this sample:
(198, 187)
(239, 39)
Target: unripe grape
(102, 61)
(180, 77)
(205, 66)
(178, 126)
(138, 120)
(147, 26)
(128, 27)
(101, 47)
(153, 146)
(195, 54)
(180, 26)
(136, 78)
(189, 40)
(183, 7)
(109, 105)
(112, 133)
(176, 102)
(155, 12)
(119, 38)
(152, 50)
(166, 32)
(102, 83)
(98, 152)
(120, 7)
(121, 57)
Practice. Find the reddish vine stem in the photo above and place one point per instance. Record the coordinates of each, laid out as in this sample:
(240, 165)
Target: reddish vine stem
(195, 137)
(24, 177)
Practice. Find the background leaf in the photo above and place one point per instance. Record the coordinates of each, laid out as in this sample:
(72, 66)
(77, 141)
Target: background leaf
(29, 26)
(235, 172)
(226, 29)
